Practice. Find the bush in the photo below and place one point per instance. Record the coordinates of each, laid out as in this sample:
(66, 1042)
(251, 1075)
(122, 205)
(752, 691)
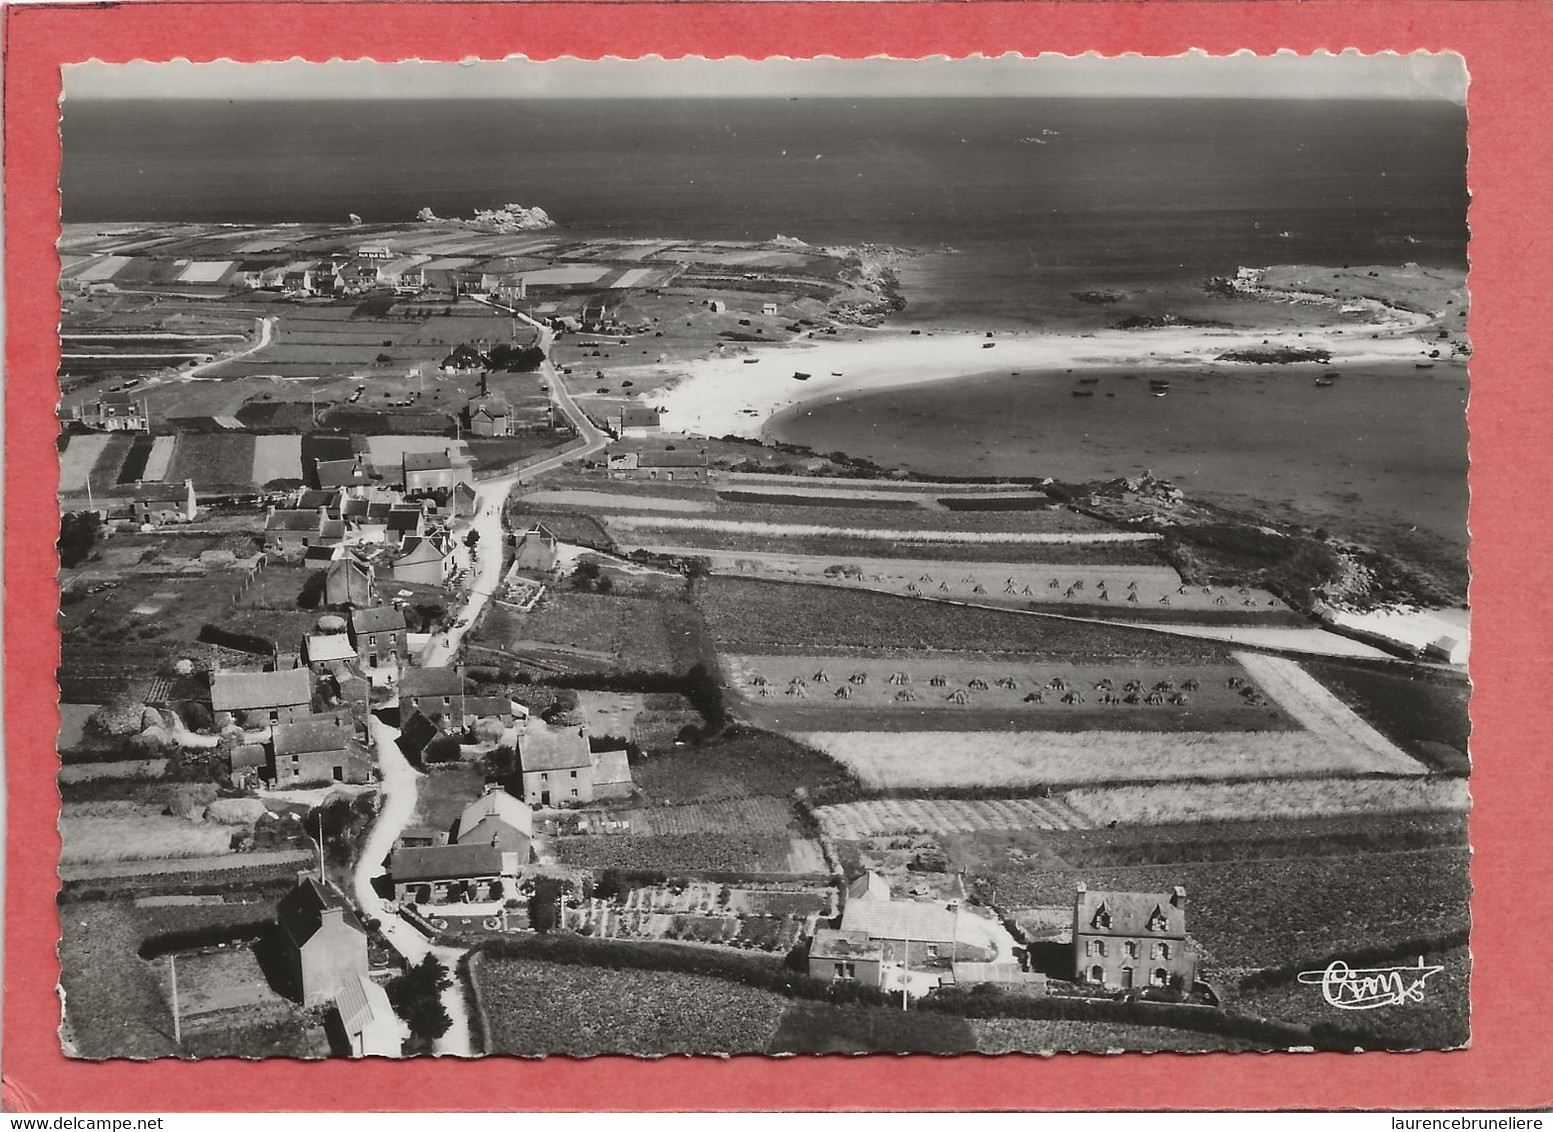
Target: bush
(416, 996)
(118, 717)
(78, 534)
(442, 749)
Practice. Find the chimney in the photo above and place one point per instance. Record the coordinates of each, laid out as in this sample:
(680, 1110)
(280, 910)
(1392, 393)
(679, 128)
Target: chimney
(303, 876)
(1178, 896)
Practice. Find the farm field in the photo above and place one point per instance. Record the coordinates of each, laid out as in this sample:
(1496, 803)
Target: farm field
(1268, 801)
(625, 633)
(1319, 711)
(733, 851)
(1030, 1035)
(955, 693)
(123, 831)
(939, 759)
(535, 1008)
(1424, 714)
(277, 458)
(762, 815)
(752, 764)
(842, 547)
(648, 529)
(78, 459)
(604, 500)
(217, 461)
(749, 616)
(816, 1027)
(857, 821)
(1098, 590)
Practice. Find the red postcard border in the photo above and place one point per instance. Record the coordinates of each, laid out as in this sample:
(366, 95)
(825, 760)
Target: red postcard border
(1511, 174)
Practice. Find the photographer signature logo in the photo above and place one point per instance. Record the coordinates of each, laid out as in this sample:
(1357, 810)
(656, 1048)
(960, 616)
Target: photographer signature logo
(1366, 988)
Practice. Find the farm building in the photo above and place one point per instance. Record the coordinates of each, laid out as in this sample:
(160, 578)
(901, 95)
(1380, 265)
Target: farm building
(498, 806)
(311, 499)
(536, 549)
(847, 957)
(432, 691)
(381, 638)
(446, 504)
(659, 465)
(442, 874)
(429, 560)
(367, 1017)
(374, 252)
(404, 522)
(869, 886)
(419, 837)
(560, 770)
(634, 422)
(290, 533)
(165, 503)
(349, 581)
(929, 928)
(463, 358)
(315, 749)
(768, 308)
(115, 412)
(260, 698)
(427, 471)
(488, 415)
(324, 943)
(1132, 939)
(249, 762)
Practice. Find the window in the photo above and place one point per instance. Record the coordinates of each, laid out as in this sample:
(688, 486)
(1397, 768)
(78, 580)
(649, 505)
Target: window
(574, 793)
(846, 970)
(372, 641)
(1164, 951)
(447, 701)
(274, 716)
(1130, 949)
(1095, 947)
(1097, 974)
(544, 777)
(1161, 977)
(1102, 918)
(1157, 922)
(574, 774)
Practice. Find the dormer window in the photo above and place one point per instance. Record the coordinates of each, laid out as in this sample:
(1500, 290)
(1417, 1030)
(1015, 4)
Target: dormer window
(1157, 920)
(1102, 918)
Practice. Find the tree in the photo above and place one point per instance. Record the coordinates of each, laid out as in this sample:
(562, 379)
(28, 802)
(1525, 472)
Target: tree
(472, 539)
(416, 996)
(544, 907)
(78, 533)
(312, 592)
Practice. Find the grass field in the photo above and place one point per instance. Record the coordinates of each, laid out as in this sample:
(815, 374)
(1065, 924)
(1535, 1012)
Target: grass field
(1320, 712)
(958, 693)
(934, 759)
(734, 850)
(112, 831)
(219, 462)
(814, 1027)
(752, 764)
(854, 821)
(1267, 801)
(632, 633)
(535, 1008)
(78, 459)
(1424, 714)
(1029, 1035)
(747, 616)
(276, 458)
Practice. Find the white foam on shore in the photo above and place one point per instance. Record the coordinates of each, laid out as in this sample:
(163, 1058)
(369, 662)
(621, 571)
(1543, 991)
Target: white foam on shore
(726, 395)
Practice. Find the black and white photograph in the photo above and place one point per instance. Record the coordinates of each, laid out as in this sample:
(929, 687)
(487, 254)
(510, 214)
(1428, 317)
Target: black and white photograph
(787, 556)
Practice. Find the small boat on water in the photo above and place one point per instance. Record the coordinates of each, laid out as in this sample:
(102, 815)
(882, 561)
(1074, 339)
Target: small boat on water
(1324, 382)
(799, 376)
(1083, 392)
(1089, 381)
(988, 345)
(835, 373)
(1423, 365)
(750, 361)
(1159, 392)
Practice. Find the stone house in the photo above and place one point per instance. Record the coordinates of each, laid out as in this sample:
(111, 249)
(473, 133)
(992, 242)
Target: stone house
(1132, 939)
(324, 944)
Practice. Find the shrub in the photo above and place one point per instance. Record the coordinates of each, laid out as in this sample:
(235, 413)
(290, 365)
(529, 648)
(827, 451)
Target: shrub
(78, 533)
(118, 717)
(416, 996)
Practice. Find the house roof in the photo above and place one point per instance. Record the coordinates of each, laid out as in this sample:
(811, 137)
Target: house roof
(246, 691)
(163, 493)
(491, 404)
(444, 862)
(638, 416)
(360, 1003)
(377, 619)
(671, 460)
(832, 944)
(248, 754)
(431, 682)
(293, 520)
(611, 768)
(343, 473)
(301, 910)
(494, 832)
(542, 747)
(418, 548)
(924, 921)
(500, 805)
(542, 533)
(329, 646)
(310, 736)
(415, 731)
(120, 400)
(488, 705)
(434, 461)
(1130, 913)
(869, 886)
(405, 518)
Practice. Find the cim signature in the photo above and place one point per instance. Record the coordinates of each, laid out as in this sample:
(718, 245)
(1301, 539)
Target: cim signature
(1350, 988)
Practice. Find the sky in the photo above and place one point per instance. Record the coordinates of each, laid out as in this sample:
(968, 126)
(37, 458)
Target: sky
(1196, 75)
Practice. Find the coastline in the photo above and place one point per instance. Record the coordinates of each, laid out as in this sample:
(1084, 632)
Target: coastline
(727, 395)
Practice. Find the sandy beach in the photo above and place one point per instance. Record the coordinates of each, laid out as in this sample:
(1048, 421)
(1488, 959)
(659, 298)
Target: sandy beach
(729, 394)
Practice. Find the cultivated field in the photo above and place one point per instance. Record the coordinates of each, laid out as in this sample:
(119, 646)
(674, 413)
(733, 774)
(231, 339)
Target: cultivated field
(1012, 584)
(652, 529)
(907, 691)
(609, 500)
(78, 459)
(765, 815)
(1266, 801)
(936, 759)
(124, 831)
(276, 458)
(1028, 1035)
(1320, 711)
(855, 821)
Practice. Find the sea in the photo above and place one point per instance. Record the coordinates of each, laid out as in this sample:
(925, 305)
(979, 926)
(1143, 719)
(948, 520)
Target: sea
(1013, 205)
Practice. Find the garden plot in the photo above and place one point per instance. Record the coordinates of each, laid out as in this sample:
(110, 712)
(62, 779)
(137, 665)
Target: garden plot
(276, 458)
(746, 814)
(934, 759)
(855, 821)
(1183, 802)
(159, 459)
(78, 459)
(1321, 712)
(901, 691)
(1015, 584)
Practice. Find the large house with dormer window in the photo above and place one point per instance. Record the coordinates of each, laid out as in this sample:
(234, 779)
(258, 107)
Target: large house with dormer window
(1132, 939)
